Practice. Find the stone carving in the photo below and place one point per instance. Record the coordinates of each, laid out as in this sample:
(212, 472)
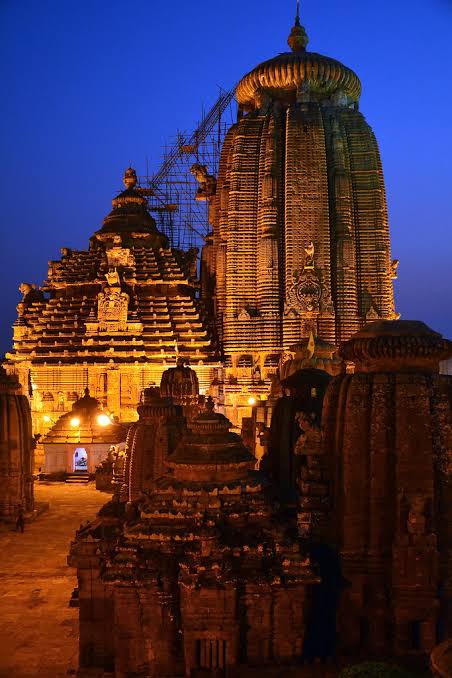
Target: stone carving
(327, 305)
(54, 270)
(310, 440)
(112, 305)
(285, 357)
(305, 292)
(394, 266)
(119, 256)
(191, 259)
(25, 289)
(309, 261)
(113, 278)
(243, 314)
(416, 517)
(207, 182)
(256, 373)
(372, 314)
(30, 293)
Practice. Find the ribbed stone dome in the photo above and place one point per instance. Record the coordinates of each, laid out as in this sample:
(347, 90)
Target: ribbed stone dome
(291, 71)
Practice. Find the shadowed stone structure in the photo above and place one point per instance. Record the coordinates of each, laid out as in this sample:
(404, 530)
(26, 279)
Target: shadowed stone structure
(197, 574)
(441, 660)
(16, 449)
(150, 441)
(388, 431)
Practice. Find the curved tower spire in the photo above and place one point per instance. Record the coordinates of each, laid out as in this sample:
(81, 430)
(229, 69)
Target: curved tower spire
(301, 237)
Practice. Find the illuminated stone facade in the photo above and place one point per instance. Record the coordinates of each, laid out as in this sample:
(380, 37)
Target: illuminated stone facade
(111, 318)
(300, 240)
(299, 248)
(77, 441)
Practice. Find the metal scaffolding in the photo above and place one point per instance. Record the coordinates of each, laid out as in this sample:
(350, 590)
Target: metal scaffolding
(171, 190)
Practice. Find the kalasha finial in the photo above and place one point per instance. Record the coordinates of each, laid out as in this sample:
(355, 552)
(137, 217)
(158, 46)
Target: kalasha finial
(298, 38)
(130, 178)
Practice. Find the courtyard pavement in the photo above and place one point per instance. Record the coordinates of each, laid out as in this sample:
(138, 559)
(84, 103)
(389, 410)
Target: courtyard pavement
(38, 631)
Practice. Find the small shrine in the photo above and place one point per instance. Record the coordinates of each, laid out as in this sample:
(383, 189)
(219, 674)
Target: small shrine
(81, 439)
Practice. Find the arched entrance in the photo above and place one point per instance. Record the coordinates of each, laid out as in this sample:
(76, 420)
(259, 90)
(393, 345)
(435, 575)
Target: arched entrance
(80, 459)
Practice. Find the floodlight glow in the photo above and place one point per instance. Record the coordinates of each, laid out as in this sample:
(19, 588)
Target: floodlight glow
(251, 401)
(46, 418)
(103, 420)
(75, 421)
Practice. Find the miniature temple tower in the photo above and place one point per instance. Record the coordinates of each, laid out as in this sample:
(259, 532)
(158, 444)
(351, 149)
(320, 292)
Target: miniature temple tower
(198, 574)
(388, 429)
(150, 441)
(16, 448)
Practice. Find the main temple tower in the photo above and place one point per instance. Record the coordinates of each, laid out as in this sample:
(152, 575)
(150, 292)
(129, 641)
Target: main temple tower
(300, 229)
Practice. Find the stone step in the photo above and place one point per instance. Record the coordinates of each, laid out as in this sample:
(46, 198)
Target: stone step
(81, 477)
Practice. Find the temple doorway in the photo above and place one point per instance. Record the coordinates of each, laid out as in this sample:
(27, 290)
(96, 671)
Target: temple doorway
(80, 459)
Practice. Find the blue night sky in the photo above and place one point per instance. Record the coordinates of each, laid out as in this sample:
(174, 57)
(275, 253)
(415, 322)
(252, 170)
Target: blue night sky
(92, 86)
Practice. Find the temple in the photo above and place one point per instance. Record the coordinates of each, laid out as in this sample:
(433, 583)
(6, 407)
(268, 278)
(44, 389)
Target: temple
(80, 440)
(203, 571)
(282, 491)
(110, 318)
(300, 240)
(204, 575)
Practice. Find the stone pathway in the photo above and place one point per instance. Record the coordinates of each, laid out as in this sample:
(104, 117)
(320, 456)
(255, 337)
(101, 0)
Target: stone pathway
(38, 631)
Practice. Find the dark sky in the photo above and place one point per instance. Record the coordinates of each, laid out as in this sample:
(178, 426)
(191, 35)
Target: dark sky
(89, 87)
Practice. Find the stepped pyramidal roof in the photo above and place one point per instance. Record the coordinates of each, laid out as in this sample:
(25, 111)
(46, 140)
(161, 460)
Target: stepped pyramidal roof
(130, 297)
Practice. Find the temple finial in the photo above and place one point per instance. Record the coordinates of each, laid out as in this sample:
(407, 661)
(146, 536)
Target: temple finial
(130, 178)
(298, 38)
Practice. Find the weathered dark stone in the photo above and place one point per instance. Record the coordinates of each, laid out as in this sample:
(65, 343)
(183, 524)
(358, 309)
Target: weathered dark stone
(387, 431)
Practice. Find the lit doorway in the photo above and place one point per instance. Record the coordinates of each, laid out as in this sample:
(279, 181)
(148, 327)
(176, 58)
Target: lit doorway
(80, 459)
